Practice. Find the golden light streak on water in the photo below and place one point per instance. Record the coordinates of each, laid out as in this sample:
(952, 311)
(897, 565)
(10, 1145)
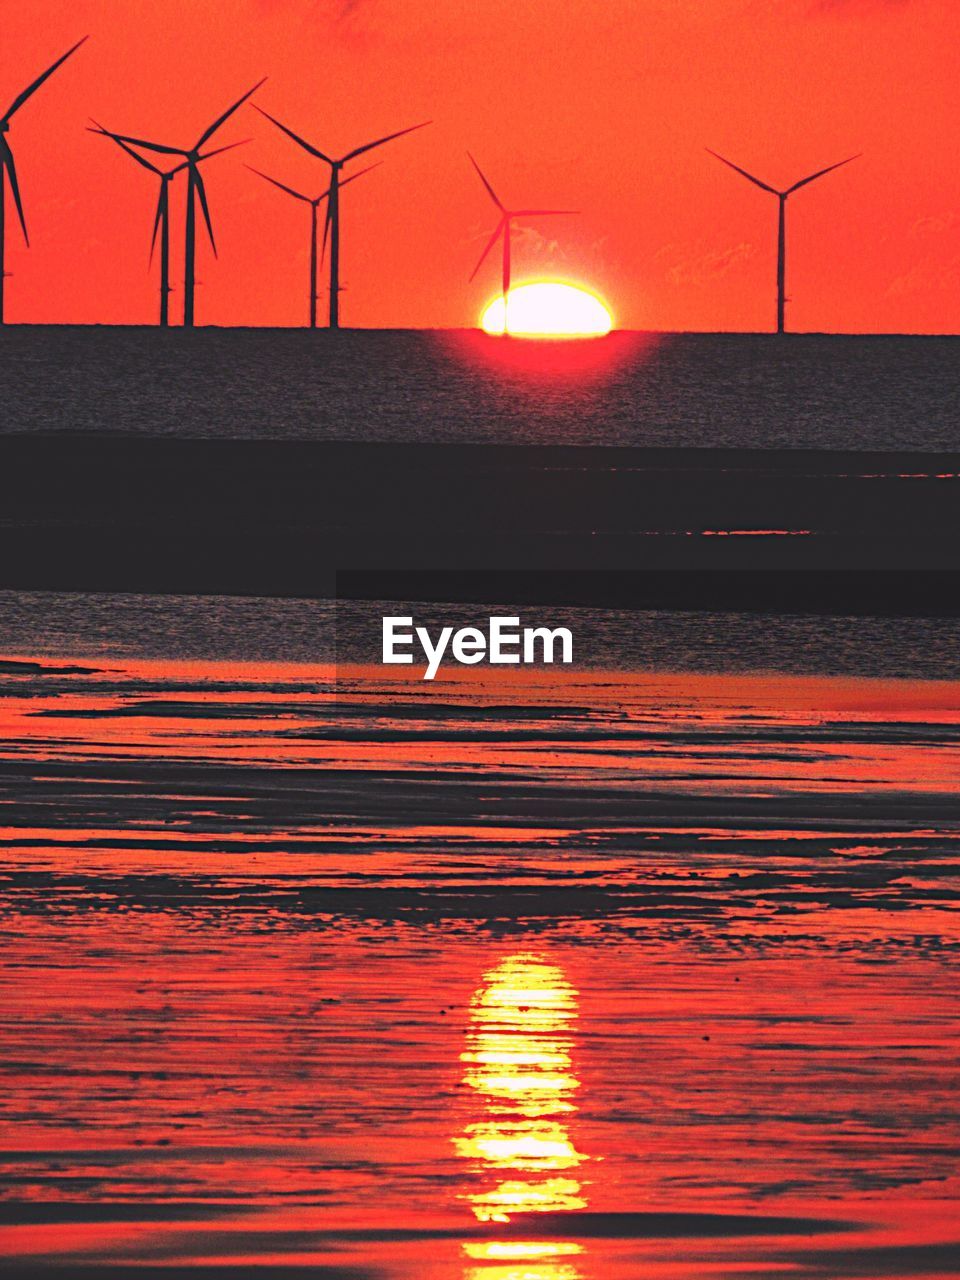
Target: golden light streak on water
(518, 1062)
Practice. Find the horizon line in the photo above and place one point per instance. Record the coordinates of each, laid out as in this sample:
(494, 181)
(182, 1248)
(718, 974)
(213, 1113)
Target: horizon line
(468, 328)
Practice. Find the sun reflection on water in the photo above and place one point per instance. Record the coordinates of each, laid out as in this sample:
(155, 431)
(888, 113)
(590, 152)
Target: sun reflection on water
(518, 1061)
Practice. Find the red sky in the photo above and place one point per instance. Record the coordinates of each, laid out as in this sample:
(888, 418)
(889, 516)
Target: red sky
(602, 105)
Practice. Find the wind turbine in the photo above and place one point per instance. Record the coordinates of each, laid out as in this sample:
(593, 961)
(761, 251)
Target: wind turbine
(196, 191)
(161, 222)
(782, 197)
(333, 198)
(503, 228)
(314, 202)
(8, 170)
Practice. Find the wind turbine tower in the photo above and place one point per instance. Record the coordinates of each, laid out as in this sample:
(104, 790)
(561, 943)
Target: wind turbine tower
(782, 197)
(332, 225)
(196, 193)
(314, 202)
(161, 222)
(502, 230)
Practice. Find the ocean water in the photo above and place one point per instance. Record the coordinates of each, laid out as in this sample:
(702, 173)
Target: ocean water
(645, 968)
(725, 391)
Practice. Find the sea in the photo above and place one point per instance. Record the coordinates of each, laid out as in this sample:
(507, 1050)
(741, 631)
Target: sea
(645, 967)
(674, 390)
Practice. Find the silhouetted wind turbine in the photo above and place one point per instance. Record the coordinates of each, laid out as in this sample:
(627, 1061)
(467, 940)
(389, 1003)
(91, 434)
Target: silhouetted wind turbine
(196, 191)
(333, 198)
(503, 229)
(161, 222)
(8, 170)
(782, 224)
(314, 202)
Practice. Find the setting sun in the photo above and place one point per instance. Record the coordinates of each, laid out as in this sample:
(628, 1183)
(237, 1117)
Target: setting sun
(548, 309)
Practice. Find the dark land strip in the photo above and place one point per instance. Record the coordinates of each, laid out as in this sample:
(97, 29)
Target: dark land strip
(796, 530)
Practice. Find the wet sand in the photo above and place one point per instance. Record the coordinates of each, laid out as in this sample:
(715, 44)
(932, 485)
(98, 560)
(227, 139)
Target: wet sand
(561, 979)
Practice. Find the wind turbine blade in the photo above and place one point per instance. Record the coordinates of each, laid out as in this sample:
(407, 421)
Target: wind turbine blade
(202, 193)
(297, 195)
(749, 176)
(489, 245)
(493, 195)
(161, 204)
(220, 120)
(6, 158)
(541, 213)
(207, 155)
(32, 88)
(301, 142)
(148, 146)
(218, 151)
(345, 182)
(129, 150)
(368, 146)
(820, 172)
(326, 231)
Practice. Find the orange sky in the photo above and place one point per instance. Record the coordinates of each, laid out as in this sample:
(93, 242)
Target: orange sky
(602, 105)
